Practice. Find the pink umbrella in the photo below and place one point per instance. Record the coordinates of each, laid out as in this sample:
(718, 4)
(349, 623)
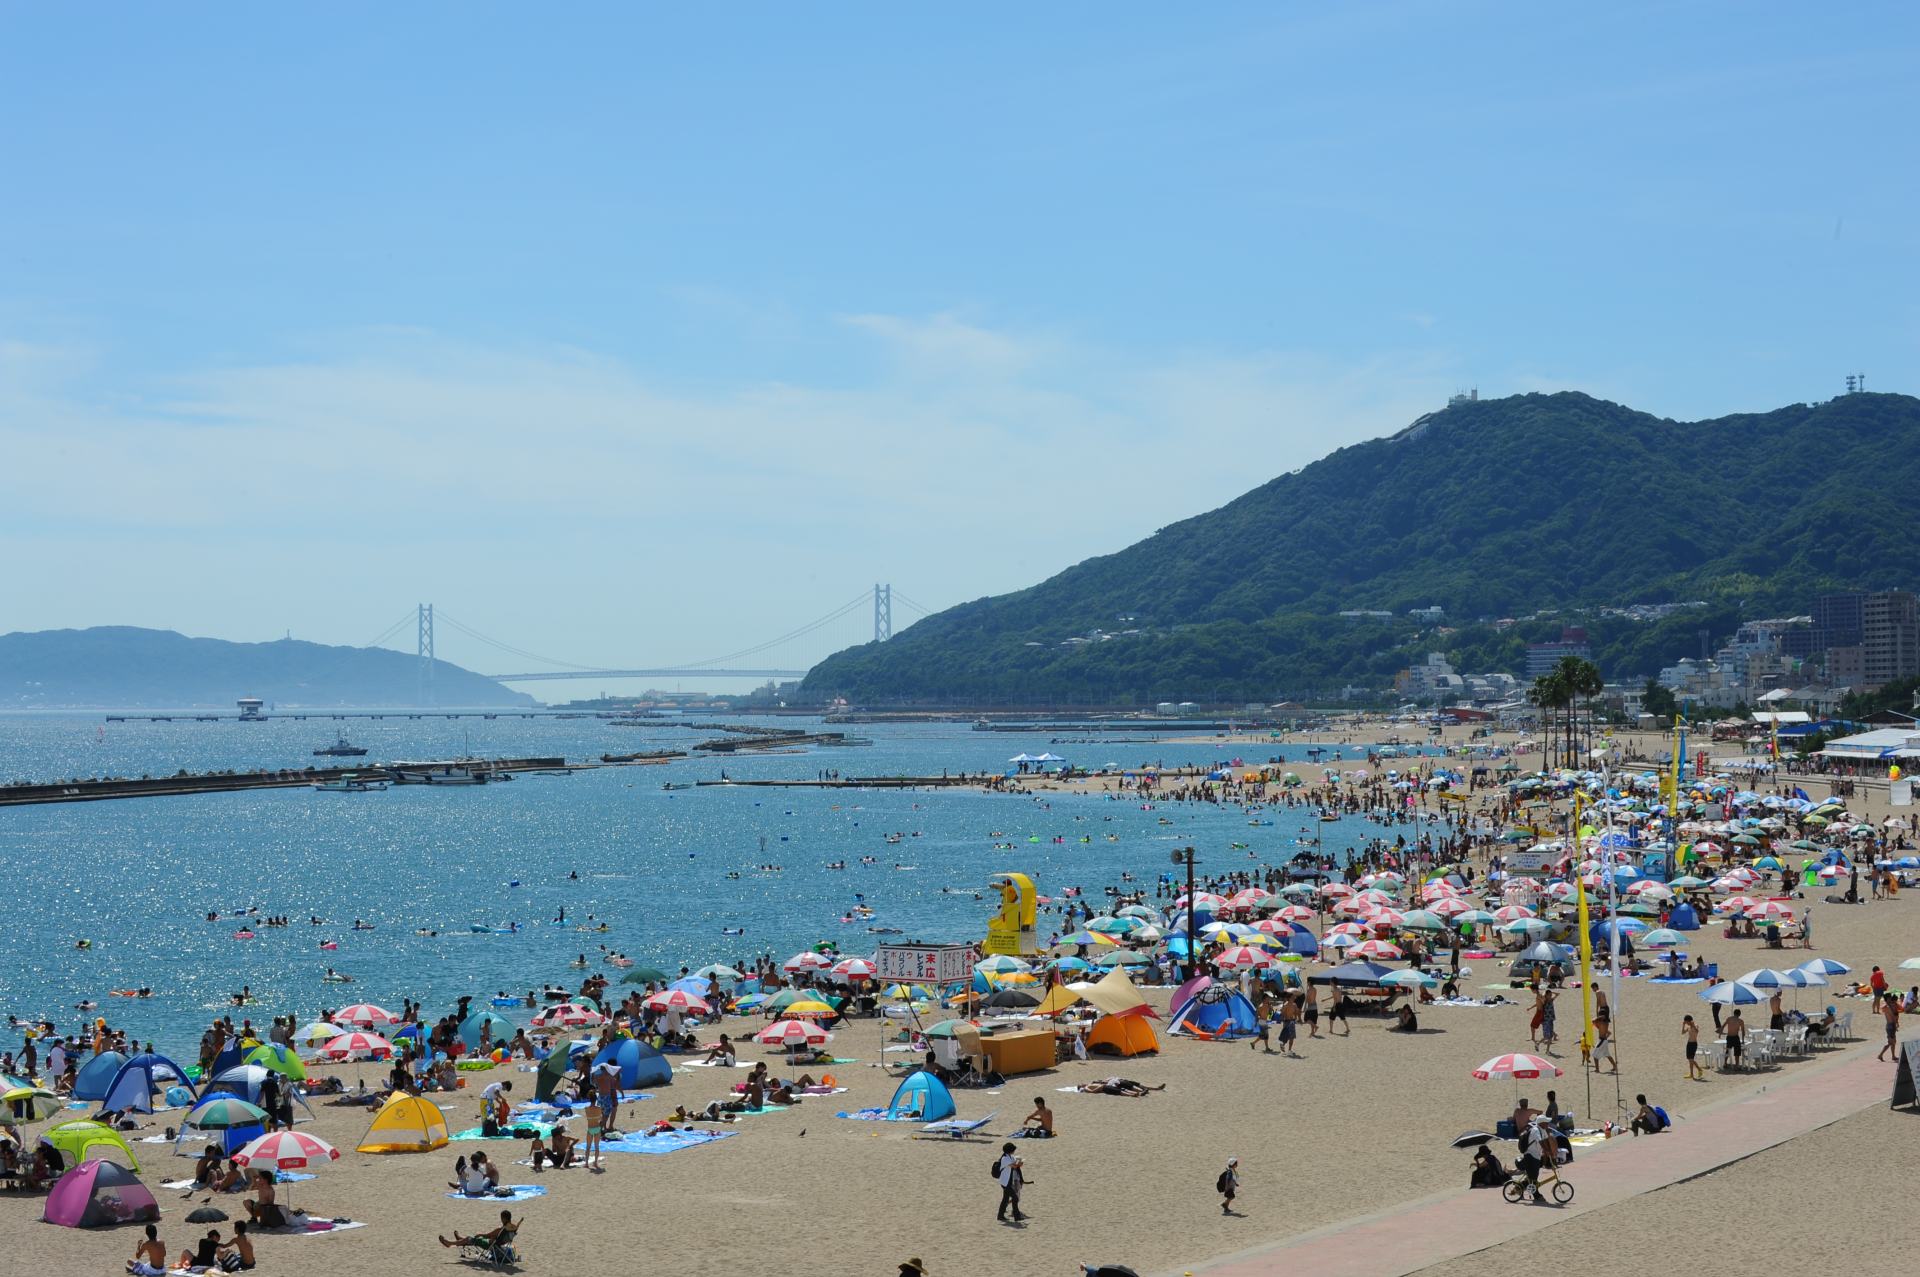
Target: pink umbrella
(1244, 956)
(571, 1015)
(286, 1151)
(1334, 890)
(1347, 929)
(1375, 949)
(1386, 917)
(792, 1033)
(1516, 1065)
(357, 1046)
(1451, 907)
(677, 1000)
(1293, 913)
(1769, 909)
(1733, 904)
(364, 1015)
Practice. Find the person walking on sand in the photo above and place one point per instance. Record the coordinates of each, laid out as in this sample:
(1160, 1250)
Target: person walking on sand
(595, 1120)
(1691, 1032)
(1228, 1184)
(1890, 1012)
(1012, 1179)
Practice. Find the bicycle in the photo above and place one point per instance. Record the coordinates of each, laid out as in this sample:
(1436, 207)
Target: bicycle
(1516, 1190)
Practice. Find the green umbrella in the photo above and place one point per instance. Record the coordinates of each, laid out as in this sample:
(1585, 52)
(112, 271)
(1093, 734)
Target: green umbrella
(30, 1103)
(271, 1055)
(787, 997)
(224, 1112)
(1122, 958)
(947, 1028)
(645, 975)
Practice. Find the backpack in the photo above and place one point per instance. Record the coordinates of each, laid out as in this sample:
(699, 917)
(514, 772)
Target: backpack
(995, 1172)
(1225, 1182)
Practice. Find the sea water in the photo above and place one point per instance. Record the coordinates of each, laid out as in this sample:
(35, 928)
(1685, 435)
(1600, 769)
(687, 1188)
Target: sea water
(668, 870)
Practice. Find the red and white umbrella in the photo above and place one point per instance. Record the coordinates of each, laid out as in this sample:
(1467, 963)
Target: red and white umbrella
(1735, 904)
(1244, 956)
(365, 1015)
(1292, 913)
(1334, 890)
(1375, 949)
(1385, 917)
(1353, 929)
(1769, 909)
(1511, 913)
(792, 1033)
(1451, 907)
(808, 961)
(1374, 896)
(677, 1000)
(286, 1151)
(1439, 890)
(568, 1015)
(357, 1046)
(1516, 1065)
(1203, 900)
(1351, 907)
(855, 968)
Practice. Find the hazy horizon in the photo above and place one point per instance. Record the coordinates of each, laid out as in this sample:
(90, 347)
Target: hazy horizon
(637, 338)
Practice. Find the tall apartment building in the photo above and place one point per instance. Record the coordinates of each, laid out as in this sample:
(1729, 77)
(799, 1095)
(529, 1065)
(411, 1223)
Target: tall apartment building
(1837, 619)
(1890, 635)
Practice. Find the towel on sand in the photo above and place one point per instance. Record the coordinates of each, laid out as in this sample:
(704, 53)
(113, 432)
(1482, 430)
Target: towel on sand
(665, 1142)
(506, 1193)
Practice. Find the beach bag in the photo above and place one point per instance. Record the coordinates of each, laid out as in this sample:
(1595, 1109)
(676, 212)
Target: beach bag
(489, 1129)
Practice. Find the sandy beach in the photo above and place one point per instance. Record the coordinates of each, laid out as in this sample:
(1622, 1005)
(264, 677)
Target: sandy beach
(1356, 1124)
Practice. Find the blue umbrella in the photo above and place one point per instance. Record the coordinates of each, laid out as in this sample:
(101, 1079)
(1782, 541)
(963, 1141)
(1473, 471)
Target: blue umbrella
(1767, 978)
(1734, 994)
(1825, 966)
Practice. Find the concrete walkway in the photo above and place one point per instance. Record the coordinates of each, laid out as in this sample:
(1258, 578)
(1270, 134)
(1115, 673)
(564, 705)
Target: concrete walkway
(1418, 1234)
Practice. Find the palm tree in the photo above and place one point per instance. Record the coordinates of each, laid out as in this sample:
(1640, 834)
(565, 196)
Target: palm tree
(1547, 694)
(1578, 681)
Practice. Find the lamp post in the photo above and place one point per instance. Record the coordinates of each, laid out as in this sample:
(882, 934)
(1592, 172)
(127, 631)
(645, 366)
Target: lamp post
(1184, 856)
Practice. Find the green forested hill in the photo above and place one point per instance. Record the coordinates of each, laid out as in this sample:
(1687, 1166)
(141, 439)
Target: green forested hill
(1491, 508)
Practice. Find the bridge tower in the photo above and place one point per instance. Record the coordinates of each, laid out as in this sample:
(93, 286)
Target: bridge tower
(423, 679)
(882, 613)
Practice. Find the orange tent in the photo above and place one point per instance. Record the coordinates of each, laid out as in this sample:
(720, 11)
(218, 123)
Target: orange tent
(1122, 1035)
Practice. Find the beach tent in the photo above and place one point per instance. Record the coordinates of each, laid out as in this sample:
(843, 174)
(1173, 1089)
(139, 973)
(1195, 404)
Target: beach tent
(500, 1030)
(99, 1193)
(405, 1124)
(1683, 918)
(1114, 994)
(1190, 986)
(1300, 940)
(1122, 1035)
(553, 1070)
(1058, 999)
(232, 1055)
(96, 1075)
(1351, 975)
(132, 1088)
(921, 1097)
(1218, 1012)
(245, 1080)
(83, 1138)
(639, 1064)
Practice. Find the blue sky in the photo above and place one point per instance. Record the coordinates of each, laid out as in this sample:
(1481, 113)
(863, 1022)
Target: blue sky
(637, 335)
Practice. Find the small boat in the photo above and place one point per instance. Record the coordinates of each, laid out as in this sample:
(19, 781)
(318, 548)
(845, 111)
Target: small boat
(341, 748)
(445, 774)
(351, 784)
(884, 931)
(733, 931)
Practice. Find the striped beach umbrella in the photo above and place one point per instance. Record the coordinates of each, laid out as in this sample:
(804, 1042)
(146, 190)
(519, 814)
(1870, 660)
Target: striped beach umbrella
(680, 1000)
(357, 1046)
(1517, 1064)
(224, 1112)
(286, 1151)
(364, 1015)
(1375, 949)
(792, 1033)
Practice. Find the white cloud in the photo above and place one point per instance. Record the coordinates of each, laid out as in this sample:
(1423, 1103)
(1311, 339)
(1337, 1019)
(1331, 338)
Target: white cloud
(619, 510)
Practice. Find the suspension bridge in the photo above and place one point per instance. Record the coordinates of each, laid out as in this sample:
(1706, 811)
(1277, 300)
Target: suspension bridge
(758, 662)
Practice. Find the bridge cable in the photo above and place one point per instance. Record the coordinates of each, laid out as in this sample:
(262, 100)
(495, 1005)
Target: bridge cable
(470, 632)
(390, 631)
(859, 601)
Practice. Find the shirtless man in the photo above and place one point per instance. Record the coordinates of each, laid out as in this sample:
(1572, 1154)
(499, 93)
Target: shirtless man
(263, 1210)
(150, 1256)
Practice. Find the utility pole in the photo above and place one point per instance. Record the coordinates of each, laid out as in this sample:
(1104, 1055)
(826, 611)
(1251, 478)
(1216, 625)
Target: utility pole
(882, 613)
(1184, 856)
(423, 677)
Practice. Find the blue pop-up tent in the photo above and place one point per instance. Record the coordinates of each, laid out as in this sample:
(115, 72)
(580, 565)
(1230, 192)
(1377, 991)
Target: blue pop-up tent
(921, 1097)
(133, 1087)
(97, 1074)
(498, 1028)
(639, 1064)
(1683, 917)
(1219, 1011)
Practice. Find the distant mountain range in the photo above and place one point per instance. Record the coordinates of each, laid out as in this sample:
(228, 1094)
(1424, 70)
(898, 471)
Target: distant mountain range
(1488, 509)
(118, 666)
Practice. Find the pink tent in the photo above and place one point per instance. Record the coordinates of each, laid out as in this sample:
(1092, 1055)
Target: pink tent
(1192, 986)
(98, 1193)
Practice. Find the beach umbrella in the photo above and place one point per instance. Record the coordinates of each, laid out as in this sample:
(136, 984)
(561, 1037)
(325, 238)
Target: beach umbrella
(792, 1033)
(1518, 1065)
(364, 1015)
(224, 1112)
(1687, 880)
(1084, 938)
(787, 997)
(1001, 964)
(1527, 927)
(1769, 909)
(1766, 978)
(1478, 917)
(31, 1103)
(681, 1000)
(1070, 964)
(1379, 949)
(319, 1031)
(1662, 938)
(206, 1215)
(718, 971)
(286, 1151)
(1422, 920)
(855, 968)
(1911, 964)
(1009, 999)
(1244, 957)
(1734, 994)
(1115, 926)
(1409, 978)
(809, 1009)
(357, 1046)
(1825, 966)
(282, 1060)
(1512, 913)
(1122, 958)
(568, 1015)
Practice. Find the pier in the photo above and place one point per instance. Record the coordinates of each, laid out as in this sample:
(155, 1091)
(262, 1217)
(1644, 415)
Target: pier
(80, 791)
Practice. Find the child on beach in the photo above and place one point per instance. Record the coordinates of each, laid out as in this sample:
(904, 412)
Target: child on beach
(1227, 1184)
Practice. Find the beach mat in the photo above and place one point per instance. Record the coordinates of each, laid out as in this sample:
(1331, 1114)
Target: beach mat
(473, 1132)
(865, 1115)
(518, 1193)
(1661, 979)
(665, 1142)
(279, 1177)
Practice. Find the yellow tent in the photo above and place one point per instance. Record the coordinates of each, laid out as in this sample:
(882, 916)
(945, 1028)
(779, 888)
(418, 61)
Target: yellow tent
(405, 1124)
(82, 1139)
(1114, 993)
(1122, 1035)
(1058, 999)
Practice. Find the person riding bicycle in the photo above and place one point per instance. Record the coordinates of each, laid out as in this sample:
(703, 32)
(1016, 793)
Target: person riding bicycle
(1536, 1150)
